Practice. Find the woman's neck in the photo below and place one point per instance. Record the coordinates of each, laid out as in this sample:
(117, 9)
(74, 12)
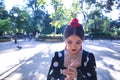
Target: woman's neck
(69, 56)
(74, 55)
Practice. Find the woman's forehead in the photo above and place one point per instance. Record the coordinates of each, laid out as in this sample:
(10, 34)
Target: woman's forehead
(74, 38)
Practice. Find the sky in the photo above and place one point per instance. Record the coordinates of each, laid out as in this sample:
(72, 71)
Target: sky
(10, 3)
(114, 14)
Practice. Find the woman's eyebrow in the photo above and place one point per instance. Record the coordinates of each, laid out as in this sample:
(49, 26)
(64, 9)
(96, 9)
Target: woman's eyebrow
(79, 40)
(69, 40)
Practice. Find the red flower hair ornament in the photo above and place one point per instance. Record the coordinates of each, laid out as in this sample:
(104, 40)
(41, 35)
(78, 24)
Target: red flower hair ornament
(74, 23)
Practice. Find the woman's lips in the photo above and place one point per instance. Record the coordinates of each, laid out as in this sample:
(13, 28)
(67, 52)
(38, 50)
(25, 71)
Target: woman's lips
(73, 49)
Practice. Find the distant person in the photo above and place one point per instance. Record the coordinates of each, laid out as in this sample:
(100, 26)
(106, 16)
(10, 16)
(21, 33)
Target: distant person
(30, 36)
(91, 37)
(36, 35)
(25, 35)
(73, 63)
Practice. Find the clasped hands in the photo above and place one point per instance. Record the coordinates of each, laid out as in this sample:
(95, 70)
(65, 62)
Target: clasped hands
(71, 71)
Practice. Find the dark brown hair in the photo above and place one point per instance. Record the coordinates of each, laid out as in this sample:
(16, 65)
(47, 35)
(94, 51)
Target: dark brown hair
(74, 29)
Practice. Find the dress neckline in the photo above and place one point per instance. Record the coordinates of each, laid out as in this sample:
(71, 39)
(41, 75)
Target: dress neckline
(64, 59)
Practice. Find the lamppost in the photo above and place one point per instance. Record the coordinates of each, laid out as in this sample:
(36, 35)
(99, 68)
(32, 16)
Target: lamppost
(15, 15)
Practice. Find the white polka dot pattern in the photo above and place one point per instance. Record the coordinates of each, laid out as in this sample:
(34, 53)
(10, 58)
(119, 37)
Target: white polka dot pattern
(85, 63)
(59, 54)
(51, 71)
(86, 71)
(88, 74)
(56, 64)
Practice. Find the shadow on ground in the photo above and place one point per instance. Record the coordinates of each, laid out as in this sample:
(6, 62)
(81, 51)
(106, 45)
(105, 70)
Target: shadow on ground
(107, 54)
(34, 68)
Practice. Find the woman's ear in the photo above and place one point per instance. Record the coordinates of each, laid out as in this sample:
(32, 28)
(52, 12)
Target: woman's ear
(80, 48)
(65, 47)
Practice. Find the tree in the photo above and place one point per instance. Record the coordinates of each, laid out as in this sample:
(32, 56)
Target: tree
(63, 15)
(22, 21)
(57, 17)
(38, 14)
(108, 5)
(4, 19)
(4, 26)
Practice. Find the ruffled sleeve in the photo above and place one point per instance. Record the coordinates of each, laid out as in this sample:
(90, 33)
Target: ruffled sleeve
(88, 69)
(91, 68)
(55, 71)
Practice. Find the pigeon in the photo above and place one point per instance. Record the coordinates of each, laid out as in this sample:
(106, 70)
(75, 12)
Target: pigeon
(19, 47)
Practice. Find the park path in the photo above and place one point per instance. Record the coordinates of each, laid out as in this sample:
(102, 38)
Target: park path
(107, 56)
(33, 60)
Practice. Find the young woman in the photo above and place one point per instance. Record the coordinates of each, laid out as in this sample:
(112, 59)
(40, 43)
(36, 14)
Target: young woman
(73, 63)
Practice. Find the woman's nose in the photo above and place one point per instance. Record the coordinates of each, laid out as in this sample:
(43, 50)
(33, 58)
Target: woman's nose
(73, 46)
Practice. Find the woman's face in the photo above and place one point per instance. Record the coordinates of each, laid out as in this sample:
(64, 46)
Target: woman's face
(73, 44)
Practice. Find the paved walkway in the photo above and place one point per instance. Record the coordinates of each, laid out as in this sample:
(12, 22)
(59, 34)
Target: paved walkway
(33, 60)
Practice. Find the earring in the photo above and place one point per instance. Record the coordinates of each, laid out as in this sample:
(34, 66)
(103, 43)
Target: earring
(81, 48)
(65, 47)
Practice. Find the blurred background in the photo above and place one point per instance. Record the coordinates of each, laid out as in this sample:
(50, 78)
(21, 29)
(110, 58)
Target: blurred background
(43, 18)
(32, 30)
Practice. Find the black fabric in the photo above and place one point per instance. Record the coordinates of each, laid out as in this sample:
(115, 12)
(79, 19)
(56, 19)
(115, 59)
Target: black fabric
(55, 73)
(56, 70)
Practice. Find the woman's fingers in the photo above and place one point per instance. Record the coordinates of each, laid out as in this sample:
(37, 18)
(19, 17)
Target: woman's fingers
(70, 72)
(67, 79)
(65, 71)
(75, 63)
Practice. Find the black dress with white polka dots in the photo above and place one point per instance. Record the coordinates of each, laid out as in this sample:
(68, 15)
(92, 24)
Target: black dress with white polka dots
(87, 71)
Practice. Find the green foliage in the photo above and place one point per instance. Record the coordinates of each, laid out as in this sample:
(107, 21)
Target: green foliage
(4, 25)
(50, 37)
(22, 21)
(75, 9)
(5, 40)
(62, 15)
(41, 2)
(59, 16)
(40, 21)
(3, 14)
(101, 34)
(108, 4)
(118, 32)
(4, 20)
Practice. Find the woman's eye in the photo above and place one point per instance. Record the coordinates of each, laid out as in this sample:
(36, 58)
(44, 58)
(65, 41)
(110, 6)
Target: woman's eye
(69, 42)
(78, 42)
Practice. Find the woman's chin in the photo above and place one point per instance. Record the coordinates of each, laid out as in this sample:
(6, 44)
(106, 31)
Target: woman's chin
(73, 52)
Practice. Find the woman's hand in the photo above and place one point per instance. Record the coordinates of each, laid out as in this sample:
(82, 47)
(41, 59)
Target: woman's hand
(75, 63)
(71, 71)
